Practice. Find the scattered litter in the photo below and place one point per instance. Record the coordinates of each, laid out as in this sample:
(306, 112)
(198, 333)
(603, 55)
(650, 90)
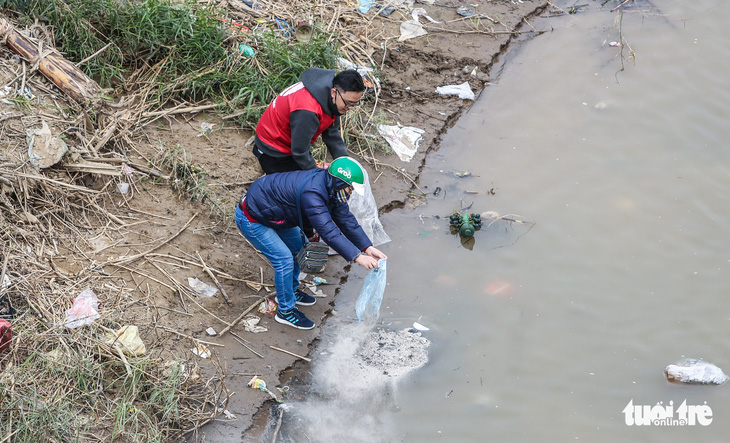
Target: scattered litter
(344, 63)
(419, 327)
(123, 187)
(44, 150)
(464, 11)
(5, 283)
(257, 383)
(229, 415)
(614, 44)
(420, 12)
(386, 11)
(371, 294)
(457, 174)
(365, 5)
(206, 128)
(212, 332)
(7, 311)
(247, 52)
(313, 289)
(6, 334)
(250, 324)
(83, 311)
(268, 307)
(463, 91)
(128, 339)
(403, 139)
(693, 370)
(319, 281)
(201, 351)
(411, 29)
(201, 287)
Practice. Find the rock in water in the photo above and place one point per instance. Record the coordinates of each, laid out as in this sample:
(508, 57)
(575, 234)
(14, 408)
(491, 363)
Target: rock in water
(692, 370)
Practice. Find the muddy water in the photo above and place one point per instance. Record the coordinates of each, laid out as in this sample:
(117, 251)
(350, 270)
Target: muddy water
(546, 332)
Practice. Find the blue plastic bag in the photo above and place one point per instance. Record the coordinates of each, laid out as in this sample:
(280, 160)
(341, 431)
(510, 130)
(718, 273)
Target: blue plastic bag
(371, 294)
(365, 6)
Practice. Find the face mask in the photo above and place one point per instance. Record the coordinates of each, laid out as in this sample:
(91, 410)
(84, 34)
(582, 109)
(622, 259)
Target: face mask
(342, 196)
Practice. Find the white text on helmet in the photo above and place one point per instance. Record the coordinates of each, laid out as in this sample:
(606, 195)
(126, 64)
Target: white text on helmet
(344, 172)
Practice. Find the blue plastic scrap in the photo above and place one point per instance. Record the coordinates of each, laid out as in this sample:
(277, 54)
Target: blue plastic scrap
(371, 294)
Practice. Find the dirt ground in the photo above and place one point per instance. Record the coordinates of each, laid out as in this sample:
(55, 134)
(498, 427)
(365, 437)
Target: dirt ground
(186, 234)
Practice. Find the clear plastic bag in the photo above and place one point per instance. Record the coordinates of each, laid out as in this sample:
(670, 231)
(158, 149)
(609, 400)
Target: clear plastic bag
(371, 294)
(365, 211)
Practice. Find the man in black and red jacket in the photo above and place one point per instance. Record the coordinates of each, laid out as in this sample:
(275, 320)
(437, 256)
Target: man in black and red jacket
(300, 114)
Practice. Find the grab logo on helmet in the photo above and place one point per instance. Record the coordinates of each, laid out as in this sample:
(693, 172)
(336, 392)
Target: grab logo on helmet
(344, 172)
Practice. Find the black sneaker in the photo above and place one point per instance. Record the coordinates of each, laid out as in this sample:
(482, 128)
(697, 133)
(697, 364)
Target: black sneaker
(303, 299)
(294, 318)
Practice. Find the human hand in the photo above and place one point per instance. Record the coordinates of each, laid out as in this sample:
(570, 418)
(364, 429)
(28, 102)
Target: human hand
(372, 251)
(366, 261)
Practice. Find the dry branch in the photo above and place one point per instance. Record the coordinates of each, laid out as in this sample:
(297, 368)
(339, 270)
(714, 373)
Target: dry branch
(49, 61)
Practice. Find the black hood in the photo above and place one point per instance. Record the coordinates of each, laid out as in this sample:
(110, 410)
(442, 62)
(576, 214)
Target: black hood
(318, 82)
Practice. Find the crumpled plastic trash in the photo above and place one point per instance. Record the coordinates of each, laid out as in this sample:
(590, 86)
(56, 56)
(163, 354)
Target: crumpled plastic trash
(371, 294)
(201, 287)
(313, 289)
(84, 311)
(257, 383)
(403, 139)
(365, 6)
(128, 339)
(692, 370)
(319, 281)
(365, 210)
(420, 12)
(205, 128)
(411, 29)
(201, 351)
(344, 63)
(463, 91)
(250, 324)
(268, 307)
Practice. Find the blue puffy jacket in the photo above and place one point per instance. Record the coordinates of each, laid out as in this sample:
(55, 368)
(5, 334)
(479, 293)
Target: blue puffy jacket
(271, 201)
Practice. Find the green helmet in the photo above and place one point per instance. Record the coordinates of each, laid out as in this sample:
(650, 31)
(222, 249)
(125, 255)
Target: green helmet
(350, 171)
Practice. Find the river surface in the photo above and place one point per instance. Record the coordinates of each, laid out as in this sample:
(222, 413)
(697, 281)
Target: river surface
(611, 259)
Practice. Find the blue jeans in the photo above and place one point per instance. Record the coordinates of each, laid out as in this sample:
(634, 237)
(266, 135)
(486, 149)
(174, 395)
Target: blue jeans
(280, 246)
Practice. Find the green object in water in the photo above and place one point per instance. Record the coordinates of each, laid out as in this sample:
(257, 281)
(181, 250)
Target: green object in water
(467, 227)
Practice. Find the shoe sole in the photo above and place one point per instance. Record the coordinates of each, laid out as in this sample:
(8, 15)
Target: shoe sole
(287, 322)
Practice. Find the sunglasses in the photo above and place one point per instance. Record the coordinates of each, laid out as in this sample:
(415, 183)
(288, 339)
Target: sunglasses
(345, 102)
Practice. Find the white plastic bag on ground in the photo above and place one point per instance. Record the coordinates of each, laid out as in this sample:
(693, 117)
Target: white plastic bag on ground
(403, 139)
(84, 310)
(411, 29)
(463, 91)
(201, 287)
(128, 339)
(365, 210)
(371, 294)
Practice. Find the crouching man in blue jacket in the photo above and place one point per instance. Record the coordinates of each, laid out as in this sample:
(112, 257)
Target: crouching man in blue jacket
(267, 216)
